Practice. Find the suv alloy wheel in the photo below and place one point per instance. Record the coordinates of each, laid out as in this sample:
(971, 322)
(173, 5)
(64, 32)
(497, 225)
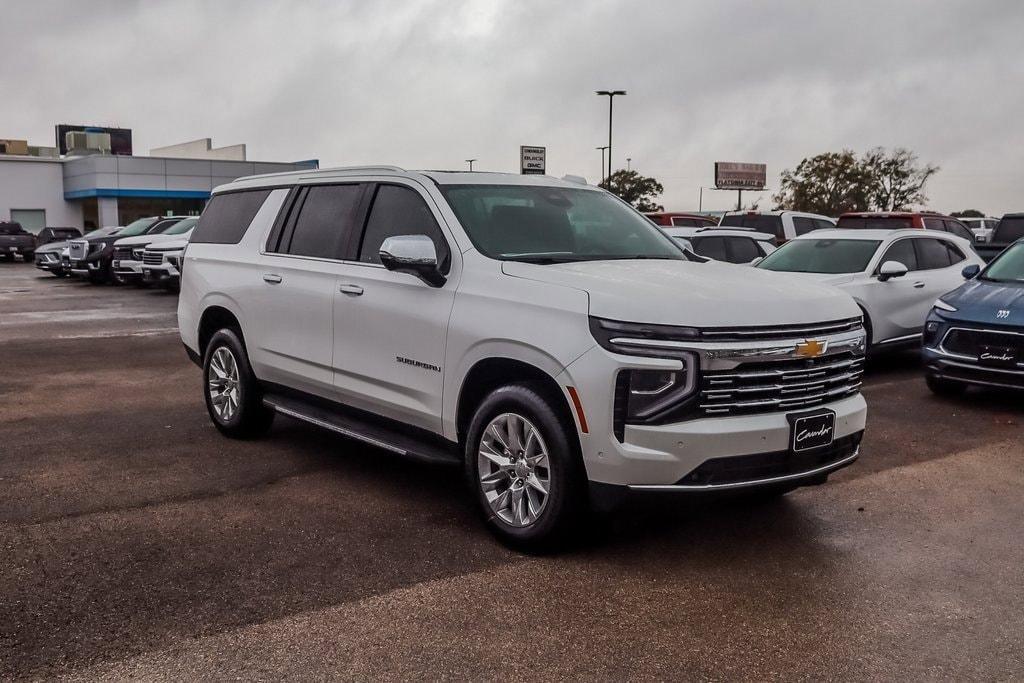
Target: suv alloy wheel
(523, 468)
(231, 390)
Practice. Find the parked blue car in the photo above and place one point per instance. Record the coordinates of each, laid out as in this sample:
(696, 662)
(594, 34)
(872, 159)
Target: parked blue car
(975, 334)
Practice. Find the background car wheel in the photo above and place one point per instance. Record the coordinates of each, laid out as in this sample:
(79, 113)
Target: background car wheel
(944, 387)
(524, 468)
(8, 257)
(29, 257)
(60, 274)
(232, 392)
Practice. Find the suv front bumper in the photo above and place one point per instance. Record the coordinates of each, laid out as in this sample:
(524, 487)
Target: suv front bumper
(706, 452)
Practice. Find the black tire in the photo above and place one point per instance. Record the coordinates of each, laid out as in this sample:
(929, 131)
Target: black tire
(8, 257)
(566, 493)
(945, 387)
(60, 274)
(29, 257)
(250, 417)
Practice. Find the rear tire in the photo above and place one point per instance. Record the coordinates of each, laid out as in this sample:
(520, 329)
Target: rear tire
(232, 392)
(524, 468)
(29, 257)
(945, 387)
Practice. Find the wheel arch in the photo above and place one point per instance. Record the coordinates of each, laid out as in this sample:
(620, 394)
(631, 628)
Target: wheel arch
(216, 317)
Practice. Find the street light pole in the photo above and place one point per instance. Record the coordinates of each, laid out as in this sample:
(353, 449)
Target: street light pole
(611, 98)
(470, 162)
(629, 164)
(602, 160)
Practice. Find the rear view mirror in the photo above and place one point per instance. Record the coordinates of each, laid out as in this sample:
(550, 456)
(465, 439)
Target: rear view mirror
(891, 269)
(412, 254)
(970, 272)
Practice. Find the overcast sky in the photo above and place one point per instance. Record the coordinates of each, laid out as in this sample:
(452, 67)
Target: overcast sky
(429, 84)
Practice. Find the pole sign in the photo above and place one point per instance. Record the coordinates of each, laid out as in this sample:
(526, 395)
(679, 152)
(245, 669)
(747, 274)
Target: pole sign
(738, 176)
(532, 160)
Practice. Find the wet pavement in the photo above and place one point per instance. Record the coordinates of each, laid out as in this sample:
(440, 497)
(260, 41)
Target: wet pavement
(136, 542)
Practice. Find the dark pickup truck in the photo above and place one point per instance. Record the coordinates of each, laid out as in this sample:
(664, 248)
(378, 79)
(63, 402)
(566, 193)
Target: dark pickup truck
(14, 240)
(1008, 230)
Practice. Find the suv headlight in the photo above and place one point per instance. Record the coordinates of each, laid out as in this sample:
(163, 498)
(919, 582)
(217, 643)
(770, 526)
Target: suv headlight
(943, 306)
(652, 395)
(640, 339)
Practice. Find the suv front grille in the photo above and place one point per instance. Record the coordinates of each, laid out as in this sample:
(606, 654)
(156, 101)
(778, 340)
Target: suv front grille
(747, 334)
(767, 387)
(78, 250)
(152, 258)
(968, 342)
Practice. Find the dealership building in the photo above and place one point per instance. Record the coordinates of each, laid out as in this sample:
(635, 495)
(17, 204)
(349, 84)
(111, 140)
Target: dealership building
(91, 179)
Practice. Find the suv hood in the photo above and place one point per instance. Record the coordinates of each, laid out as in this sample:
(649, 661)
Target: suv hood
(52, 246)
(141, 240)
(979, 301)
(696, 294)
(173, 245)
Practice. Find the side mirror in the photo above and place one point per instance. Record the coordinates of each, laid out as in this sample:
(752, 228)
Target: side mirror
(757, 260)
(970, 272)
(891, 269)
(412, 254)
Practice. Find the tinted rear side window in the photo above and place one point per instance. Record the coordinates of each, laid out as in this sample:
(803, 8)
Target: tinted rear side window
(325, 221)
(743, 250)
(769, 224)
(931, 254)
(959, 229)
(710, 247)
(803, 225)
(227, 216)
(400, 211)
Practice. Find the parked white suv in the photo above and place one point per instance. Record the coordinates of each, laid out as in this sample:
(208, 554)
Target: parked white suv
(785, 225)
(541, 333)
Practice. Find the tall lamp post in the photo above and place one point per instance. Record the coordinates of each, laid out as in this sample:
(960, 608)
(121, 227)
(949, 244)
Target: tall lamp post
(602, 160)
(611, 98)
(470, 162)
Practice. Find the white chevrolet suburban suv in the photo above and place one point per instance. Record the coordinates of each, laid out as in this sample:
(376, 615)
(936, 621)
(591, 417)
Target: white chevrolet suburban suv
(541, 333)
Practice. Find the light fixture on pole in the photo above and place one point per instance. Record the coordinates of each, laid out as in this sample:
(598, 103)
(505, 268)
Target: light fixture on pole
(629, 163)
(470, 162)
(602, 160)
(611, 98)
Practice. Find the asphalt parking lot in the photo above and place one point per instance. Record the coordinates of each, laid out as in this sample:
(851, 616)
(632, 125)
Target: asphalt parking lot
(136, 542)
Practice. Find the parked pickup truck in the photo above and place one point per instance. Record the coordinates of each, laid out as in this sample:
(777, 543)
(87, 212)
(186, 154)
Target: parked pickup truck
(15, 240)
(1009, 229)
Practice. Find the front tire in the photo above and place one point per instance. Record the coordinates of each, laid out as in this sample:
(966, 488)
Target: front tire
(945, 387)
(524, 468)
(29, 257)
(232, 392)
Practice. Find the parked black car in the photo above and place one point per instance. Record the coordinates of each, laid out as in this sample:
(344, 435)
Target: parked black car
(1008, 230)
(15, 240)
(48, 235)
(92, 257)
(48, 256)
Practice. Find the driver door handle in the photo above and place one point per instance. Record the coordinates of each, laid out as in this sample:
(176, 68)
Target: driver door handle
(272, 278)
(354, 290)
(918, 285)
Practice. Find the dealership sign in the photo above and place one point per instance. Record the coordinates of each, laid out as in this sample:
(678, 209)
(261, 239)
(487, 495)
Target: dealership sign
(736, 176)
(532, 160)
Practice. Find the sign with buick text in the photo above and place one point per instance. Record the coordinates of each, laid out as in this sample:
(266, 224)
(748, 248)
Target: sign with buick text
(532, 160)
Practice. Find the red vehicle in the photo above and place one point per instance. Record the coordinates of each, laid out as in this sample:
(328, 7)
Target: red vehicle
(682, 220)
(896, 220)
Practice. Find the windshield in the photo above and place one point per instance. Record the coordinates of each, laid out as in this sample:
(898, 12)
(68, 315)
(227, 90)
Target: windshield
(1008, 266)
(1010, 229)
(821, 256)
(875, 222)
(555, 224)
(181, 226)
(138, 227)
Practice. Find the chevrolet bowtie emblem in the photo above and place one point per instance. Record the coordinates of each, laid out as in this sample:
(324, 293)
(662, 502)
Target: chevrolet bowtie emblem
(811, 348)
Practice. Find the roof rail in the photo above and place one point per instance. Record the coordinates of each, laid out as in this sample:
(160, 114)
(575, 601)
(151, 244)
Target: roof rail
(321, 170)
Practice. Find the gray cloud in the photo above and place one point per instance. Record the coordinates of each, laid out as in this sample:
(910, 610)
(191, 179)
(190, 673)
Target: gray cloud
(428, 84)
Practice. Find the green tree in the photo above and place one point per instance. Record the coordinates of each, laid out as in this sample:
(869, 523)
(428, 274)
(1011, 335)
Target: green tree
(830, 184)
(897, 180)
(968, 213)
(638, 190)
(836, 182)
